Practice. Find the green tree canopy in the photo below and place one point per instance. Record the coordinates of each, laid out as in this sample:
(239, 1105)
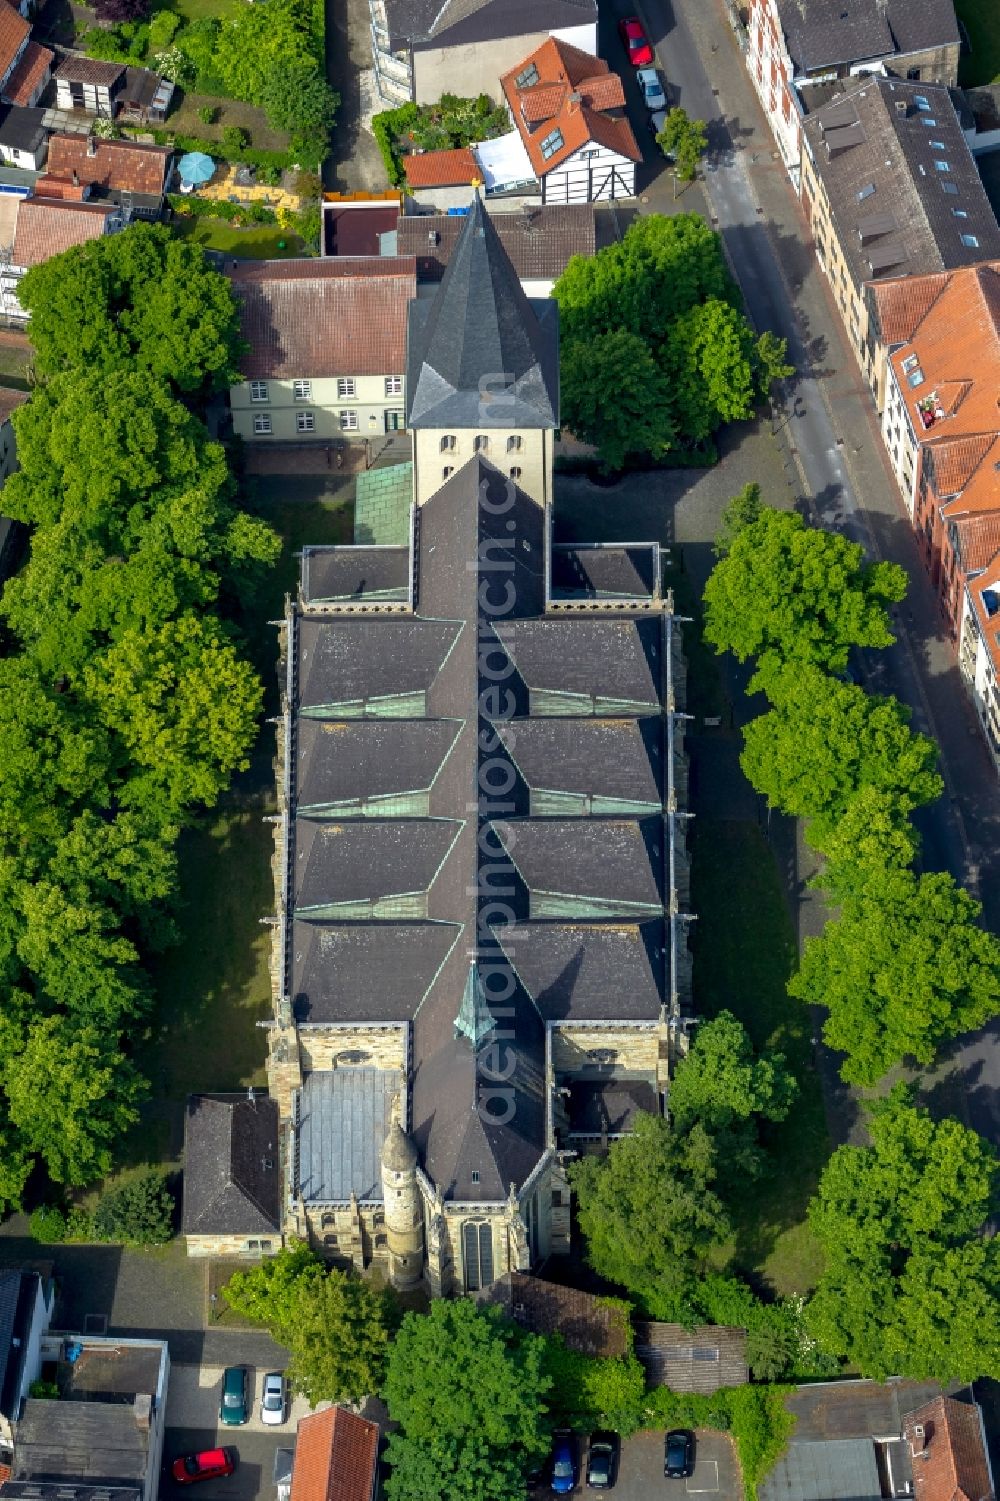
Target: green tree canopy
(722, 1085)
(254, 44)
(904, 968)
(909, 1287)
(873, 836)
(638, 419)
(468, 1390)
(742, 511)
(685, 140)
(824, 740)
(709, 358)
(142, 297)
(650, 1212)
(798, 593)
(298, 99)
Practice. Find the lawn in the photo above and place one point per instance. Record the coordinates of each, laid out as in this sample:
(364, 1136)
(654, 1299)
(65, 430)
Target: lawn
(744, 950)
(982, 21)
(259, 243)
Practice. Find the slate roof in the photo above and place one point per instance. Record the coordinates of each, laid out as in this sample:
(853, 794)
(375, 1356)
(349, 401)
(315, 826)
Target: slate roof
(21, 129)
(441, 169)
(602, 662)
(344, 1114)
(539, 241)
(628, 571)
(571, 969)
(320, 318)
(336, 1457)
(232, 1178)
(608, 1107)
(446, 22)
(365, 971)
(823, 33)
(833, 1469)
(702, 1359)
(950, 1462)
(32, 67)
(588, 1324)
(356, 660)
(369, 861)
(78, 69)
(13, 31)
(46, 228)
(18, 1293)
(855, 1409)
(355, 573)
(620, 760)
(574, 93)
(347, 762)
(875, 149)
(479, 331)
(122, 166)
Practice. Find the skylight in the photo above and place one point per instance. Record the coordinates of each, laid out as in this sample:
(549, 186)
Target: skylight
(949, 187)
(551, 143)
(921, 101)
(960, 213)
(928, 121)
(943, 166)
(527, 77)
(866, 191)
(970, 242)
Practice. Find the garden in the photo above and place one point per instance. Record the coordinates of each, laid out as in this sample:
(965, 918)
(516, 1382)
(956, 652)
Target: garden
(449, 124)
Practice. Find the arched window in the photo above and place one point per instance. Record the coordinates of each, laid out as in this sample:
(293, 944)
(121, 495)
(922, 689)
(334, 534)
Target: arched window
(477, 1254)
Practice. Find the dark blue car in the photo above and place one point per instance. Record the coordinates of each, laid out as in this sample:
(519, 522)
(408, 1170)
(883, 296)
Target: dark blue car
(563, 1463)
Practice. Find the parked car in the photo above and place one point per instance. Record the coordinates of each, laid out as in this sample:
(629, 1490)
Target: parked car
(657, 120)
(602, 1461)
(640, 53)
(234, 1408)
(207, 1464)
(563, 1463)
(652, 89)
(678, 1454)
(274, 1399)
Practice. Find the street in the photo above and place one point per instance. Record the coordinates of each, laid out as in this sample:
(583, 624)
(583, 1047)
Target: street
(830, 433)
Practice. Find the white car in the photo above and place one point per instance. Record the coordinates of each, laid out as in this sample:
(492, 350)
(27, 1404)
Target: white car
(274, 1399)
(652, 88)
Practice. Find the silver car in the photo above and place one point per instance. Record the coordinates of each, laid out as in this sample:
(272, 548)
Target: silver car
(652, 88)
(274, 1399)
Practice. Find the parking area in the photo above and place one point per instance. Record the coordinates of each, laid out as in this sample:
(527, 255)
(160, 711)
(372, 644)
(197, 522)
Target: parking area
(716, 1474)
(193, 1424)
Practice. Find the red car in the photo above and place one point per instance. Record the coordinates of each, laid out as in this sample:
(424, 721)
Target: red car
(210, 1464)
(639, 51)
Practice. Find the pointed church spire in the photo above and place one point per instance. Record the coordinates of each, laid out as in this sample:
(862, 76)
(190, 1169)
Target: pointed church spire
(480, 354)
(474, 1019)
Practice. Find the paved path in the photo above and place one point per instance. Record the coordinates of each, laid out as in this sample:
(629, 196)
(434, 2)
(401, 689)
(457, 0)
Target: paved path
(831, 434)
(355, 162)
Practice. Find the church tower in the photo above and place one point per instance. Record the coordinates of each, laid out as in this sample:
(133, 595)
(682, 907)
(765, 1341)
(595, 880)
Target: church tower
(482, 370)
(404, 1221)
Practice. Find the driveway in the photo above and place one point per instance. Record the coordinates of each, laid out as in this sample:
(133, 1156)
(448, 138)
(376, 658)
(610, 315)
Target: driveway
(193, 1401)
(640, 1471)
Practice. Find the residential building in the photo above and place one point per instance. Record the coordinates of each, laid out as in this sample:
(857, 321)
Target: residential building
(438, 180)
(232, 1175)
(979, 651)
(88, 168)
(865, 1440)
(27, 79)
(795, 48)
(540, 242)
(588, 1324)
(420, 47)
(23, 137)
(568, 108)
(890, 189)
(462, 1001)
(336, 1457)
(45, 227)
(15, 37)
(702, 1359)
(326, 347)
(88, 84)
(26, 1302)
(105, 1432)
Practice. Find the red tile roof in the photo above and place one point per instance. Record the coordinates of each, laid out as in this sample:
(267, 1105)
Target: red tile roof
(989, 623)
(123, 166)
(59, 187)
(13, 31)
(320, 318)
(977, 541)
(574, 92)
(336, 1454)
(441, 169)
(33, 68)
(903, 301)
(949, 1457)
(45, 228)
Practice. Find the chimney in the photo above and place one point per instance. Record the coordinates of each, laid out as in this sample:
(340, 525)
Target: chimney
(91, 146)
(918, 1441)
(900, 105)
(142, 1408)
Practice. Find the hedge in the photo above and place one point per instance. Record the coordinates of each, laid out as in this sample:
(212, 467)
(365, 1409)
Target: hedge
(218, 208)
(385, 128)
(755, 1416)
(247, 156)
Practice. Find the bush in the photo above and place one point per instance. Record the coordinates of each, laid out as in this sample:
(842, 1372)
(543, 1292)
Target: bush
(235, 138)
(385, 128)
(139, 1213)
(754, 1415)
(588, 1392)
(163, 29)
(47, 1224)
(44, 1391)
(208, 114)
(213, 208)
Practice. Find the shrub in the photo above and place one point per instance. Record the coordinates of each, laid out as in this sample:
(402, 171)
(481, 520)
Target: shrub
(211, 208)
(163, 29)
(235, 138)
(48, 1224)
(174, 64)
(386, 127)
(139, 1213)
(207, 114)
(588, 1392)
(44, 1390)
(754, 1415)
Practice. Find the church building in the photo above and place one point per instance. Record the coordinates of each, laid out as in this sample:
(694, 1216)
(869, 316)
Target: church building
(480, 964)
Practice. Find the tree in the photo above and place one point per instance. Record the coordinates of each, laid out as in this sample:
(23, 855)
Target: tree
(710, 361)
(742, 511)
(649, 1212)
(637, 420)
(298, 99)
(772, 366)
(909, 1287)
(335, 1325)
(824, 740)
(873, 837)
(468, 1390)
(798, 593)
(79, 957)
(254, 43)
(142, 296)
(140, 1212)
(685, 140)
(70, 1093)
(903, 969)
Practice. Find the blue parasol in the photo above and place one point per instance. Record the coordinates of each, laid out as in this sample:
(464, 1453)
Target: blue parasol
(195, 167)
